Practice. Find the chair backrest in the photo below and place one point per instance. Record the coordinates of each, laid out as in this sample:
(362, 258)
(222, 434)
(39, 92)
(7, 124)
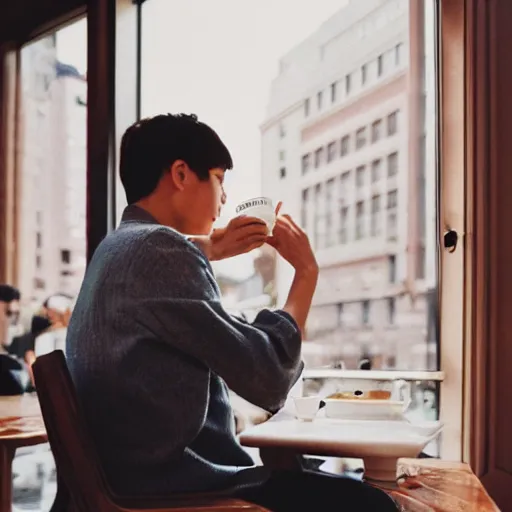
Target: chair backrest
(75, 456)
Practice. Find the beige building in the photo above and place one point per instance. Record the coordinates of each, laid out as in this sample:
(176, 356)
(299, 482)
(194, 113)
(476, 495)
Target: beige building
(344, 147)
(51, 221)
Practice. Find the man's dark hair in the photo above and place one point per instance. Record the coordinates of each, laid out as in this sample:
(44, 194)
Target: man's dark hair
(8, 293)
(150, 146)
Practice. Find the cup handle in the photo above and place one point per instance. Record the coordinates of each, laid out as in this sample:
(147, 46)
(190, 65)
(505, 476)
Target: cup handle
(405, 387)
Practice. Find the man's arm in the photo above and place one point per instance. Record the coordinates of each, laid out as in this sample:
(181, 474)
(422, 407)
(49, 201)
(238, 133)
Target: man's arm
(176, 297)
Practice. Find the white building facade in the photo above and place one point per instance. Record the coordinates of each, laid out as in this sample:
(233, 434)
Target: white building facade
(344, 148)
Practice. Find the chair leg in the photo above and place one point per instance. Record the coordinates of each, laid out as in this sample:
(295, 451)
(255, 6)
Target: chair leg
(6, 457)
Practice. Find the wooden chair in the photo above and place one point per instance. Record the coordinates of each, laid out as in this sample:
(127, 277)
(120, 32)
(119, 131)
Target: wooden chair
(81, 484)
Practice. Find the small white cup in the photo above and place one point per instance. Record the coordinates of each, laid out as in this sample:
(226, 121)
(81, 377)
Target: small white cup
(306, 407)
(259, 207)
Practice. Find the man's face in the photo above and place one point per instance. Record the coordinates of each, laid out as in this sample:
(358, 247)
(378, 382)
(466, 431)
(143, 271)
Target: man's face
(203, 200)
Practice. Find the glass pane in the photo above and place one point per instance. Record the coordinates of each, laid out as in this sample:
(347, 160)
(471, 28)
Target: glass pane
(327, 97)
(51, 219)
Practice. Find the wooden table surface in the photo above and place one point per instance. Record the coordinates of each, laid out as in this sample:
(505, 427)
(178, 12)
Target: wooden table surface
(21, 424)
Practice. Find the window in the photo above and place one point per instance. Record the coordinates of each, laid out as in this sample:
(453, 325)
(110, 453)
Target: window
(376, 130)
(282, 172)
(282, 131)
(391, 310)
(343, 239)
(344, 145)
(377, 233)
(359, 220)
(360, 176)
(282, 156)
(393, 123)
(52, 170)
(380, 65)
(392, 199)
(305, 163)
(374, 226)
(319, 97)
(306, 107)
(399, 48)
(331, 151)
(348, 85)
(365, 312)
(330, 212)
(344, 186)
(392, 164)
(65, 256)
(339, 314)
(319, 157)
(392, 268)
(376, 167)
(361, 137)
(304, 209)
(333, 92)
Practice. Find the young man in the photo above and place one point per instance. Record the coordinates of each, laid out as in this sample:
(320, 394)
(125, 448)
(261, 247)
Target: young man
(151, 349)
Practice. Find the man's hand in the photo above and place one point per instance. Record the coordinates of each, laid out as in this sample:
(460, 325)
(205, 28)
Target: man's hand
(241, 235)
(292, 243)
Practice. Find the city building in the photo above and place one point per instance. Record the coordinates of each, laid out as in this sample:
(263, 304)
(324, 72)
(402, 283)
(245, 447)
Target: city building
(51, 224)
(344, 146)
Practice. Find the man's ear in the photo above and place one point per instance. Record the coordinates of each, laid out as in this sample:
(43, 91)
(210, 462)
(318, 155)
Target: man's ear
(180, 173)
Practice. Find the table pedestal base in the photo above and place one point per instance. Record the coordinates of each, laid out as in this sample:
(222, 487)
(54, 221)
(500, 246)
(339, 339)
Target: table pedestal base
(380, 469)
(6, 456)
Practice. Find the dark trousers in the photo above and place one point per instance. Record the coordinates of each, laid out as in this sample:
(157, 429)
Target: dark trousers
(308, 490)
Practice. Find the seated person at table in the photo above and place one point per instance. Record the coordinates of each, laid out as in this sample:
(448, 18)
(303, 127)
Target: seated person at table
(152, 351)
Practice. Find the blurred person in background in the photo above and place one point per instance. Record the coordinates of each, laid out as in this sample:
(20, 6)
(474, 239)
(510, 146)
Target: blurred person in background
(9, 313)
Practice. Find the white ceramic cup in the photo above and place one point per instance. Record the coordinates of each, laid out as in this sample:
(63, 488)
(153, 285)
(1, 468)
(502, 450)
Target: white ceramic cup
(259, 207)
(306, 407)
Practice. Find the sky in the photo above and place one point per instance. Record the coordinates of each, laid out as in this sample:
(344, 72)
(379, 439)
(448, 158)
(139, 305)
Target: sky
(216, 58)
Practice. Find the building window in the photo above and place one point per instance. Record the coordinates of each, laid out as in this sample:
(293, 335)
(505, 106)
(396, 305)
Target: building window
(376, 167)
(374, 226)
(399, 48)
(361, 137)
(39, 284)
(392, 226)
(344, 183)
(38, 261)
(304, 209)
(282, 172)
(329, 206)
(39, 218)
(392, 164)
(39, 240)
(319, 157)
(331, 152)
(380, 65)
(319, 227)
(359, 220)
(392, 199)
(305, 163)
(376, 130)
(306, 107)
(421, 262)
(345, 145)
(282, 131)
(282, 156)
(339, 314)
(365, 312)
(393, 123)
(343, 235)
(364, 73)
(333, 91)
(348, 84)
(360, 175)
(319, 97)
(392, 268)
(65, 256)
(391, 310)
